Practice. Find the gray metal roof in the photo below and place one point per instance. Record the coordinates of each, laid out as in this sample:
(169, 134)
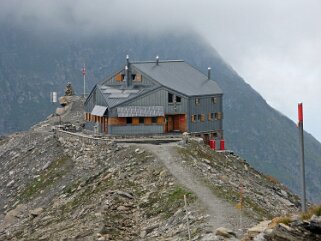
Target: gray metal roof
(179, 76)
(99, 110)
(115, 96)
(142, 111)
(176, 75)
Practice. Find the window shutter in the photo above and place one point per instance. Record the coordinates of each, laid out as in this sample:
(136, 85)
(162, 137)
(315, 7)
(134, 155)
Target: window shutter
(118, 77)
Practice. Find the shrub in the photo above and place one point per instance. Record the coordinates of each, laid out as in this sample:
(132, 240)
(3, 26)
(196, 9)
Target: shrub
(314, 210)
(283, 219)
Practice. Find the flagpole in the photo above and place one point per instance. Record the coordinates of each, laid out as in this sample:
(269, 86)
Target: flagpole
(84, 75)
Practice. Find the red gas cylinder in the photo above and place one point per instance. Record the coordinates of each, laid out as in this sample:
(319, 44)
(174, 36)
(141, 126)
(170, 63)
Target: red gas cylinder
(222, 145)
(212, 144)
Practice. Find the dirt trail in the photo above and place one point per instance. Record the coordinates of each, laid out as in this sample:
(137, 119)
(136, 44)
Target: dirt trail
(222, 214)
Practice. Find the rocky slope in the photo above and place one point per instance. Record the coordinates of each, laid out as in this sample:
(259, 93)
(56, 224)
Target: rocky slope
(60, 186)
(304, 227)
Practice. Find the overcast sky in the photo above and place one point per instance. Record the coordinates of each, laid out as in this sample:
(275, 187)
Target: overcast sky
(275, 45)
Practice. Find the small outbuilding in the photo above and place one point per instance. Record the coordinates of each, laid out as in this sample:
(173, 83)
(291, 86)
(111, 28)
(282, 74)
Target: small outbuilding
(157, 97)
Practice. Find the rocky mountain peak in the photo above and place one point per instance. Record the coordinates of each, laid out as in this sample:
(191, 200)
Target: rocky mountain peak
(61, 185)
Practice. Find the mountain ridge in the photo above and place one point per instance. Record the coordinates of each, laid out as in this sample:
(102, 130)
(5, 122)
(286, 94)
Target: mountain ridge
(34, 67)
(64, 185)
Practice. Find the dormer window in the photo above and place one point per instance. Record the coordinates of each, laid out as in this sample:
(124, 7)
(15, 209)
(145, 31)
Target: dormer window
(119, 77)
(137, 77)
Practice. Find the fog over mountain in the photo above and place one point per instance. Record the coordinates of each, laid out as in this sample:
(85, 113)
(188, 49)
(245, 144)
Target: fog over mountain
(43, 45)
(274, 44)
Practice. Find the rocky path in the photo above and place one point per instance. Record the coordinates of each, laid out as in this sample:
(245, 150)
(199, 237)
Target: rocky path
(222, 214)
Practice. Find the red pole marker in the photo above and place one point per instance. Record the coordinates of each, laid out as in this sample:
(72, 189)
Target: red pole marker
(301, 139)
(300, 112)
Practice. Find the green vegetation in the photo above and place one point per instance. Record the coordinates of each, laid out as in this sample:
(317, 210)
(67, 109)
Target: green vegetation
(167, 203)
(226, 192)
(47, 178)
(84, 195)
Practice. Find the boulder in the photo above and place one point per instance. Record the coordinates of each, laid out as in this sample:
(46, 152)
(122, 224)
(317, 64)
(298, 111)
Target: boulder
(13, 216)
(225, 232)
(35, 212)
(60, 111)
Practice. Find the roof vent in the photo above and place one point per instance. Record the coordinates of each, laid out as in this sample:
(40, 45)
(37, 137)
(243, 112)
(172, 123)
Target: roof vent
(157, 60)
(209, 73)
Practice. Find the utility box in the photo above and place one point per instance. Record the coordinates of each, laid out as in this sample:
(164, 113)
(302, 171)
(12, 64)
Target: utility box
(222, 145)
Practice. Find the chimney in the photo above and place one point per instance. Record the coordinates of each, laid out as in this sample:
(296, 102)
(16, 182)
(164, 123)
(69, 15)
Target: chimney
(209, 73)
(127, 59)
(157, 60)
(126, 78)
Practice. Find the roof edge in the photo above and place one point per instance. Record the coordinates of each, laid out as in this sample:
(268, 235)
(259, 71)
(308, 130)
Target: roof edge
(154, 61)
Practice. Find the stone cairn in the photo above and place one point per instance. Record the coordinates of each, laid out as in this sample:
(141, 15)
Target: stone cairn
(69, 90)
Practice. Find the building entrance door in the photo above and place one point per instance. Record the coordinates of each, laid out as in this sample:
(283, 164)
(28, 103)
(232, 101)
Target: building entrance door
(175, 123)
(176, 119)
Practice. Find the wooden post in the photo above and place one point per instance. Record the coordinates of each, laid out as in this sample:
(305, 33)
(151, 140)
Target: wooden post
(188, 228)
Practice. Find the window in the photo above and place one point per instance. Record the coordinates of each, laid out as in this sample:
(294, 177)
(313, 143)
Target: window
(202, 117)
(129, 120)
(209, 116)
(212, 116)
(160, 120)
(141, 120)
(199, 117)
(197, 101)
(154, 120)
(178, 99)
(137, 77)
(170, 98)
(218, 116)
(193, 118)
(214, 100)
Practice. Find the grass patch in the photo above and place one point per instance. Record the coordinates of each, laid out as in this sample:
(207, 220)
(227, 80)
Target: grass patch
(84, 195)
(233, 196)
(283, 219)
(47, 178)
(226, 192)
(257, 209)
(315, 210)
(168, 203)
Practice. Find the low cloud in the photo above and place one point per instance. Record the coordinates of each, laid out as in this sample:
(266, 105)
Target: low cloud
(274, 45)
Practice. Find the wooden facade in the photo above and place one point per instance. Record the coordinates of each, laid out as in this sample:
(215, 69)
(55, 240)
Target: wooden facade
(106, 122)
